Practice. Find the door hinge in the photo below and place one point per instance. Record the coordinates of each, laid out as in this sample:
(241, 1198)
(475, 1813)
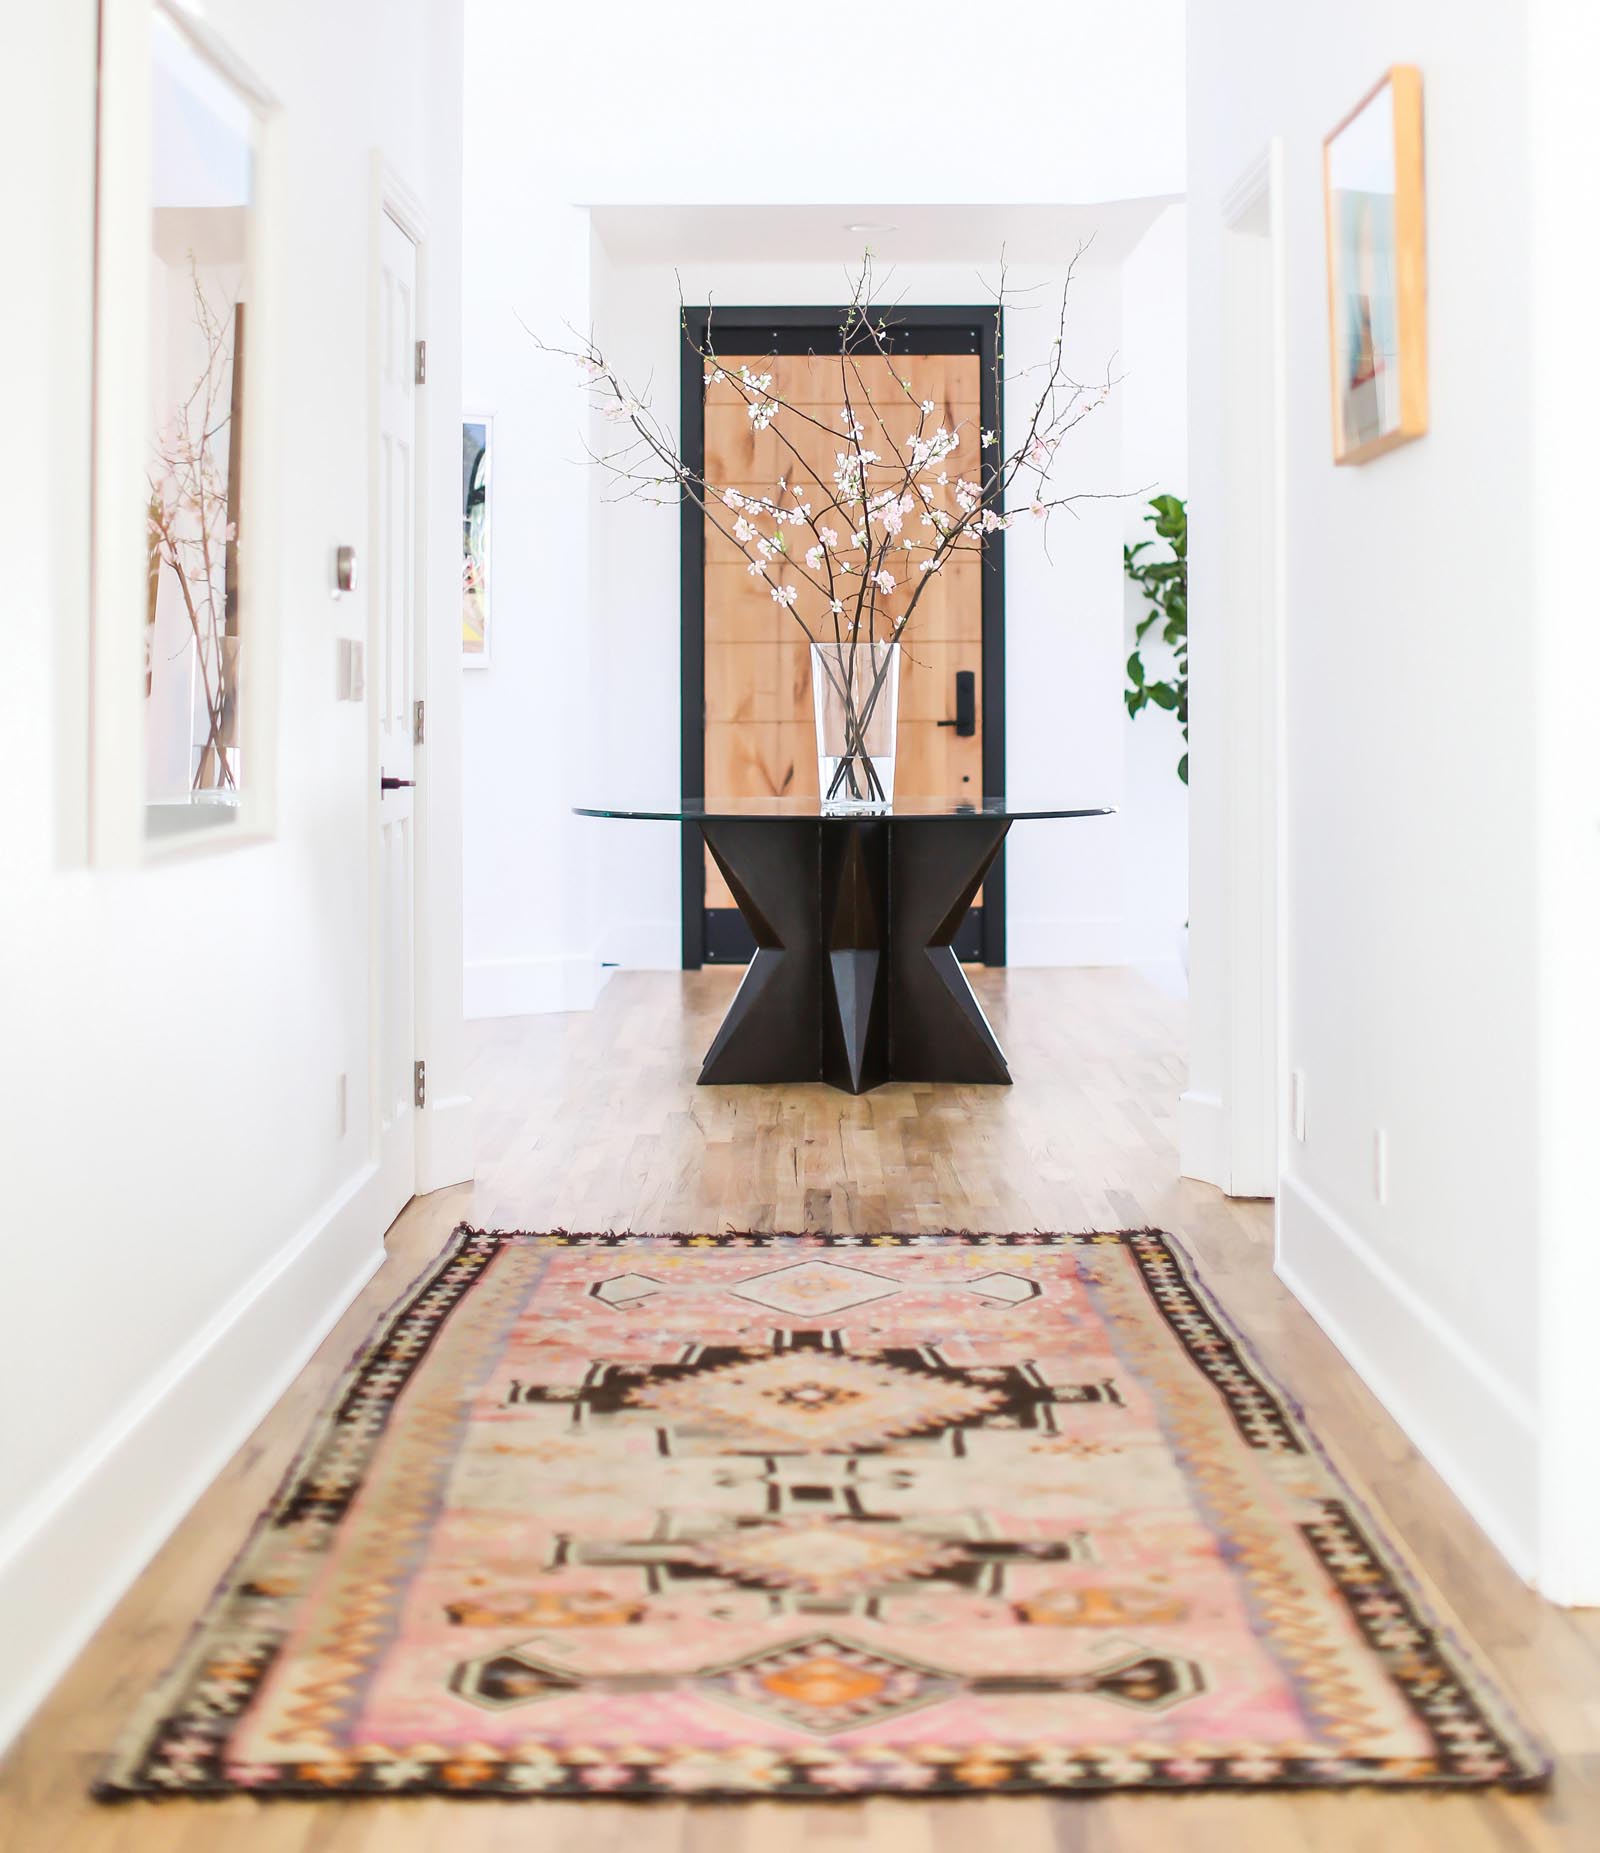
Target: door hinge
(422, 363)
(419, 727)
(419, 1083)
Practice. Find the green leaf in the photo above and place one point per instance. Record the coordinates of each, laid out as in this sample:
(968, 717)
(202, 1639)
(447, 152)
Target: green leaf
(1164, 695)
(1183, 768)
(1135, 670)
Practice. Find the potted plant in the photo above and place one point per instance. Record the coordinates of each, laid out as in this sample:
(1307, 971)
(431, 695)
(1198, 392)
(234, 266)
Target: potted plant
(1165, 584)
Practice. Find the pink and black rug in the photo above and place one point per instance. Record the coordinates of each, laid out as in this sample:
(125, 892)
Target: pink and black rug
(748, 1515)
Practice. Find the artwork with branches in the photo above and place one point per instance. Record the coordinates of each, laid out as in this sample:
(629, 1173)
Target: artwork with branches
(193, 533)
(894, 508)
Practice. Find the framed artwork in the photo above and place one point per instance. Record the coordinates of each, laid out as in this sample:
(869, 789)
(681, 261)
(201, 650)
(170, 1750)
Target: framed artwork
(477, 503)
(1372, 173)
(183, 620)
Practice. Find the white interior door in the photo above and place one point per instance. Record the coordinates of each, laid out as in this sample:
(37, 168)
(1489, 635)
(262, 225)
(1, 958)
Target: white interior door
(393, 692)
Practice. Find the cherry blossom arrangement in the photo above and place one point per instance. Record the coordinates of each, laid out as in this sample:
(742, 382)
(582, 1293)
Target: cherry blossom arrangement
(892, 511)
(190, 532)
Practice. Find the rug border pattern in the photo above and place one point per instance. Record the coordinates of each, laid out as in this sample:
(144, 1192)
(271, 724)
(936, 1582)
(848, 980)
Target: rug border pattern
(176, 1744)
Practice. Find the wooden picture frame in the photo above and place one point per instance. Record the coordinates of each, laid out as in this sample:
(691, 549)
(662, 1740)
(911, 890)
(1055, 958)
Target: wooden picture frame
(1373, 205)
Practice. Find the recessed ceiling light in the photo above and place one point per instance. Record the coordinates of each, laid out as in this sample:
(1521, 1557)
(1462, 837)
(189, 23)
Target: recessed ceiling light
(872, 228)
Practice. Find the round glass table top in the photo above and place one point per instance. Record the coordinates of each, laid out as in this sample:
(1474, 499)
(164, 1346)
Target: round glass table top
(726, 810)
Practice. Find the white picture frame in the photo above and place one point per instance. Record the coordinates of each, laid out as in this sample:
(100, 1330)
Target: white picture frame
(477, 540)
(123, 826)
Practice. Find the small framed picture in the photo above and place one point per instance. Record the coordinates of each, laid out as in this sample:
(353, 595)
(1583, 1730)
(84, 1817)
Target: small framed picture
(477, 503)
(1372, 172)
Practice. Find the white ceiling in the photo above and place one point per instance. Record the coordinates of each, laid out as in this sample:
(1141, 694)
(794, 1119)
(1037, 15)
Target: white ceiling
(920, 234)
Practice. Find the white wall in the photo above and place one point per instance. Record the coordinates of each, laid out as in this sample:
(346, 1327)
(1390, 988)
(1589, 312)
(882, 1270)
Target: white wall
(547, 898)
(1411, 783)
(183, 1218)
(1565, 155)
(1155, 458)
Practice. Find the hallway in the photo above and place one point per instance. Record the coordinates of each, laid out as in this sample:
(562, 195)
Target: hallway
(591, 1121)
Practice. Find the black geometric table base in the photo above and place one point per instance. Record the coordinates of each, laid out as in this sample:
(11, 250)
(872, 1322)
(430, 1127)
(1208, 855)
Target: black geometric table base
(854, 981)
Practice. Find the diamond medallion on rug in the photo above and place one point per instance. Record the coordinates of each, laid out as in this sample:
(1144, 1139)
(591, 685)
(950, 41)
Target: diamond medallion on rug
(805, 1516)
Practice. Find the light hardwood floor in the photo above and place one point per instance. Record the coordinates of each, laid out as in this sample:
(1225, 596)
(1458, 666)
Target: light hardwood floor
(593, 1121)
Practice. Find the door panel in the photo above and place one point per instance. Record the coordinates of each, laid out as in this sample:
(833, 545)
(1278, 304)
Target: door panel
(393, 692)
(759, 734)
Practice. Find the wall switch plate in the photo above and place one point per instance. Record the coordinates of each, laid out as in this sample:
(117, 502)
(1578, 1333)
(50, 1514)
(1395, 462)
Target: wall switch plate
(351, 677)
(1297, 1104)
(1380, 1165)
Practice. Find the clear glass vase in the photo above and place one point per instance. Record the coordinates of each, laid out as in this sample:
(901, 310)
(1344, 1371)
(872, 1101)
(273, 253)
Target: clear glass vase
(855, 689)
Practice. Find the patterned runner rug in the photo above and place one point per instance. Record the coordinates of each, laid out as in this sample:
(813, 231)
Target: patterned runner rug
(801, 1516)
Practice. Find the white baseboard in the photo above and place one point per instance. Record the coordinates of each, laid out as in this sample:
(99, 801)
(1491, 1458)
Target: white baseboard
(1479, 1432)
(1203, 1138)
(644, 945)
(69, 1555)
(1167, 975)
(531, 987)
(1086, 940)
(444, 1143)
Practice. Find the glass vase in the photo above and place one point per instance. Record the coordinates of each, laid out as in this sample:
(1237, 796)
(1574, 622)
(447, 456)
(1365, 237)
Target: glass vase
(855, 690)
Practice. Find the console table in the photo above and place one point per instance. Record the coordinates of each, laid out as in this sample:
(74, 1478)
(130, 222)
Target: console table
(854, 981)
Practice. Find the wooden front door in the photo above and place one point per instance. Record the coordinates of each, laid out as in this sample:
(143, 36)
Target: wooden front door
(758, 734)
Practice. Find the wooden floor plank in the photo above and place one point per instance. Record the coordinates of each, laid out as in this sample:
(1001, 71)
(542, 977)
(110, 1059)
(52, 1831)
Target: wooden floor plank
(593, 1121)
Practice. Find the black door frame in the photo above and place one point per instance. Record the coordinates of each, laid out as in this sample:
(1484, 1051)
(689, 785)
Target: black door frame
(923, 329)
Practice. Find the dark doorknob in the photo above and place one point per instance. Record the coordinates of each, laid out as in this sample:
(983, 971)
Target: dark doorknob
(385, 783)
(966, 720)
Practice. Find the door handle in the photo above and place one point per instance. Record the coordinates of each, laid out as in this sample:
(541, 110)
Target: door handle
(966, 720)
(385, 783)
